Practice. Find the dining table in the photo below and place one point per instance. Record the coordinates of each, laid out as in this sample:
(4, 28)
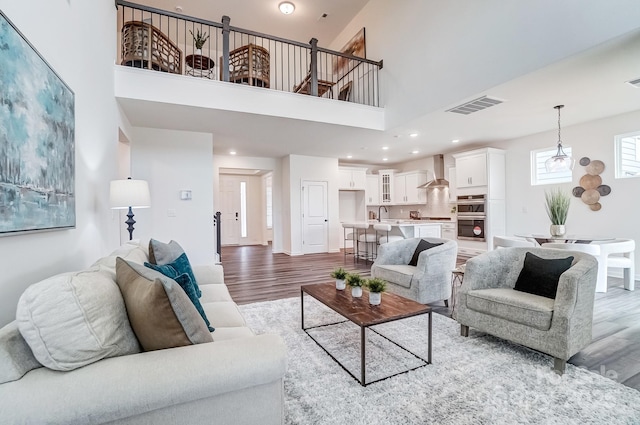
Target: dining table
(542, 238)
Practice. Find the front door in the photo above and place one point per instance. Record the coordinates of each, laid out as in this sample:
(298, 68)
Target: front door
(315, 211)
(230, 209)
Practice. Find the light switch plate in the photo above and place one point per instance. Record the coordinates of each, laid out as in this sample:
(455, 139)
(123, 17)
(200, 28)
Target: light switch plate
(185, 195)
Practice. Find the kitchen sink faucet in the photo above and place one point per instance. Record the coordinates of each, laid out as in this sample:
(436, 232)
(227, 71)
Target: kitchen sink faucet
(385, 210)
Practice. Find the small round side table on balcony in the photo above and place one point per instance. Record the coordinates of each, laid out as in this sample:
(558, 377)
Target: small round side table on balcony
(199, 66)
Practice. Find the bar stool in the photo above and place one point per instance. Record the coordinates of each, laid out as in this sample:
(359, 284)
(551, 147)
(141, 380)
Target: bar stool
(361, 235)
(384, 227)
(348, 233)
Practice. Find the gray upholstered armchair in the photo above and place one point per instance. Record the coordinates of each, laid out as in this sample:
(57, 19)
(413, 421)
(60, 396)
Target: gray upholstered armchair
(559, 327)
(426, 282)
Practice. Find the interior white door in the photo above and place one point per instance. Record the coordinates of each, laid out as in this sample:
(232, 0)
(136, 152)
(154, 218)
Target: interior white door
(315, 217)
(230, 209)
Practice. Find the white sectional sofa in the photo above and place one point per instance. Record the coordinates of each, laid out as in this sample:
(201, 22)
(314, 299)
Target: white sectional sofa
(236, 379)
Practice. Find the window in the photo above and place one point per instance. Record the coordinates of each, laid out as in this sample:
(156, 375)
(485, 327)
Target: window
(269, 195)
(243, 209)
(628, 155)
(539, 173)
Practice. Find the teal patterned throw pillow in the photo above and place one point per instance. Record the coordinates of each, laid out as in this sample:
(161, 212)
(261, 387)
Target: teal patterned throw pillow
(184, 280)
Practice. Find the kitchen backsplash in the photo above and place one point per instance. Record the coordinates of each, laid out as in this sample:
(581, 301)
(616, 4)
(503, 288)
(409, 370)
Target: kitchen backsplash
(437, 206)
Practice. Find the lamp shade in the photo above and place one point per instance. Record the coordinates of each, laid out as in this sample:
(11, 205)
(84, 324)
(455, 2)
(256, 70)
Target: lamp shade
(129, 193)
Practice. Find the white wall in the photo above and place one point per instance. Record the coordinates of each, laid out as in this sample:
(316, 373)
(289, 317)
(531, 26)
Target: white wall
(53, 28)
(301, 168)
(172, 161)
(525, 203)
(455, 39)
(245, 162)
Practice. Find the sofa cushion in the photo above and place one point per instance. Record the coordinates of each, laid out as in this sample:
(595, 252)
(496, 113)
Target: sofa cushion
(73, 319)
(423, 245)
(171, 253)
(173, 271)
(16, 358)
(208, 274)
(224, 314)
(214, 293)
(160, 312)
(235, 332)
(515, 306)
(130, 251)
(398, 274)
(540, 276)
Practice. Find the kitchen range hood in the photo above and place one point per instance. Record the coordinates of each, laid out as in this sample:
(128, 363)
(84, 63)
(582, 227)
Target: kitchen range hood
(438, 171)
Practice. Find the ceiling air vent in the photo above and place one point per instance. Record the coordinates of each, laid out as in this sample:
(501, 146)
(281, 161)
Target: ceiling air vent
(476, 105)
(635, 83)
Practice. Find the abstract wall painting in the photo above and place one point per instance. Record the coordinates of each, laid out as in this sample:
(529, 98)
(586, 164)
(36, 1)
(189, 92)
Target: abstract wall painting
(355, 47)
(37, 140)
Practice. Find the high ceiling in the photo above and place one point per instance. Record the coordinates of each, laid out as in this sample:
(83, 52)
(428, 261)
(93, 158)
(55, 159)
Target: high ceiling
(265, 17)
(591, 84)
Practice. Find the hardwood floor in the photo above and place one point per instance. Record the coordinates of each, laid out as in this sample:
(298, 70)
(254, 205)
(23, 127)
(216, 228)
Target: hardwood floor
(253, 273)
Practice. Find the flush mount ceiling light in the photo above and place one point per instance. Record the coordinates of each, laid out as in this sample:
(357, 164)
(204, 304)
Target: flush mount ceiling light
(232, 152)
(286, 7)
(560, 161)
(413, 135)
(384, 148)
(455, 140)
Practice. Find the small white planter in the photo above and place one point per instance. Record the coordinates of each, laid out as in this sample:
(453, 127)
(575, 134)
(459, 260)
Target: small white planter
(198, 52)
(557, 230)
(356, 291)
(375, 298)
(340, 285)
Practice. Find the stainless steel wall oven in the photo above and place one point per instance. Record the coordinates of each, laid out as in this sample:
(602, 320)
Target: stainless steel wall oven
(471, 214)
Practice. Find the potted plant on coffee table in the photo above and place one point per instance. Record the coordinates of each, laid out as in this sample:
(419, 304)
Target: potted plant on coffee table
(355, 281)
(199, 38)
(376, 287)
(339, 274)
(557, 206)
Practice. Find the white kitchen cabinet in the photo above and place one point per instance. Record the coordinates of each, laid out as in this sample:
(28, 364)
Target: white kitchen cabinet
(471, 171)
(352, 178)
(427, 231)
(372, 190)
(449, 230)
(386, 184)
(453, 192)
(406, 188)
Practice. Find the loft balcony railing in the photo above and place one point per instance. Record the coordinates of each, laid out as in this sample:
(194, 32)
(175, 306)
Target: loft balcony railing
(165, 41)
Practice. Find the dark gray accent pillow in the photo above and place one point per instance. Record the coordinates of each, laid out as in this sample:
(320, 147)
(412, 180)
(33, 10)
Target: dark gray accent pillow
(422, 246)
(540, 276)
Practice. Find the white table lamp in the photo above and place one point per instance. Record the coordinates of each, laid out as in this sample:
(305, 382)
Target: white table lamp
(129, 194)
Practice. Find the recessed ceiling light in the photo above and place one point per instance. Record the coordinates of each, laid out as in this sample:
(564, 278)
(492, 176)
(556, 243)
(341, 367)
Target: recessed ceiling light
(455, 140)
(349, 156)
(286, 7)
(385, 159)
(413, 135)
(415, 152)
(384, 148)
(232, 152)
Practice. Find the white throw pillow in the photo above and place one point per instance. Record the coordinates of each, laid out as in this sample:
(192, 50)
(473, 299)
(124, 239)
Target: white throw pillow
(131, 251)
(73, 319)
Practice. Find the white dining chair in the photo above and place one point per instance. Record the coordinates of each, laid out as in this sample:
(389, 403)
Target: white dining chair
(509, 241)
(592, 249)
(618, 253)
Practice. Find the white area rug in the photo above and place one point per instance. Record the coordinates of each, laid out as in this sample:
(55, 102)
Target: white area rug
(475, 380)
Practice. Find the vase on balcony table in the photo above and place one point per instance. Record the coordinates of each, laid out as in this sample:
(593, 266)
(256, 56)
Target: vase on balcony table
(557, 230)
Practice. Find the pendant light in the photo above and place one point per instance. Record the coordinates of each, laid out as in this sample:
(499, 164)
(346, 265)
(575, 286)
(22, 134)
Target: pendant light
(560, 161)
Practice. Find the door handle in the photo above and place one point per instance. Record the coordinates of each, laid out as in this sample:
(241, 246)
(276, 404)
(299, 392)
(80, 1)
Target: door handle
(325, 220)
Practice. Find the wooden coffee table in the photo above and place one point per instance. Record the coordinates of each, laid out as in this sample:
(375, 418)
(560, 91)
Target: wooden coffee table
(360, 312)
